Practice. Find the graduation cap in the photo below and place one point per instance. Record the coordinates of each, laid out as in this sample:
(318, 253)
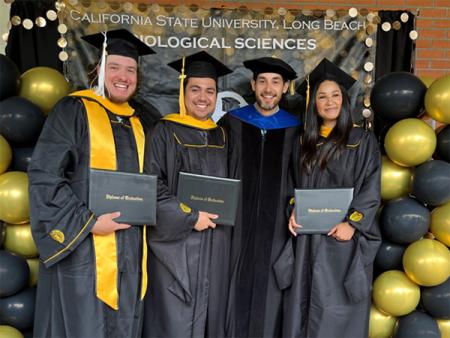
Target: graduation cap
(115, 42)
(200, 64)
(271, 65)
(324, 70)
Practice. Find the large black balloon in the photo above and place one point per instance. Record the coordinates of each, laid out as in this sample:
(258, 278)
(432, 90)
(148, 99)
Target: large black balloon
(21, 158)
(431, 183)
(397, 96)
(404, 220)
(389, 256)
(436, 300)
(443, 144)
(18, 310)
(14, 273)
(9, 78)
(417, 325)
(21, 121)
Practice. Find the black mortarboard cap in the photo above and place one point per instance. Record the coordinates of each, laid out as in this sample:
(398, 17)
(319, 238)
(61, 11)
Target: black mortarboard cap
(325, 69)
(201, 64)
(271, 65)
(119, 42)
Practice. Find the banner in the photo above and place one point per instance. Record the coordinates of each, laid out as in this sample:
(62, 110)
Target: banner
(299, 37)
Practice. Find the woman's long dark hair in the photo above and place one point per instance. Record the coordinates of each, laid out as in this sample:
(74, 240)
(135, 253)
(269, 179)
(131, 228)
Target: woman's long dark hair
(334, 144)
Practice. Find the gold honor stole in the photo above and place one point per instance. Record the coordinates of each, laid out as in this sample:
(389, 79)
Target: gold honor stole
(103, 156)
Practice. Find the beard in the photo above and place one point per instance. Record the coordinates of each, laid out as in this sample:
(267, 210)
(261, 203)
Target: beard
(118, 100)
(267, 106)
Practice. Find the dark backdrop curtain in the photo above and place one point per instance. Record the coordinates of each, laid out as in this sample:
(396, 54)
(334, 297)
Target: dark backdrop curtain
(395, 53)
(37, 46)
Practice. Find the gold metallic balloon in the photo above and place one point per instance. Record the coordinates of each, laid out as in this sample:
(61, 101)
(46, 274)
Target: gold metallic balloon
(427, 262)
(380, 324)
(444, 327)
(410, 142)
(395, 180)
(19, 240)
(440, 223)
(33, 264)
(43, 86)
(427, 80)
(7, 331)
(14, 205)
(437, 99)
(394, 293)
(5, 154)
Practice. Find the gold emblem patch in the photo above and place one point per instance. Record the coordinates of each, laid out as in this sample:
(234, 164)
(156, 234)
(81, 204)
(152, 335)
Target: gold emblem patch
(292, 201)
(356, 216)
(185, 208)
(57, 235)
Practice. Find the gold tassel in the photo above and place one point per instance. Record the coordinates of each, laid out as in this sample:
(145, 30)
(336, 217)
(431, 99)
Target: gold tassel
(292, 87)
(307, 100)
(181, 98)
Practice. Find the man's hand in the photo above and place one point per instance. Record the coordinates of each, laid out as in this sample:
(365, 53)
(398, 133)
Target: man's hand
(106, 225)
(292, 225)
(204, 221)
(342, 231)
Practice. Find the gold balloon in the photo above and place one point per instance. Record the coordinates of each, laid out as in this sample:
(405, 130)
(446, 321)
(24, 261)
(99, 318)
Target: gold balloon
(5, 154)
(427, 262)
(18, 239)
(410, 142)
(7, 331)
(427, 80)
(395, 294)
(395, 180)
(437, 99)
(33, 264)
(43, 86)
(444, 327)
(440, 223)
(380, 324)
(14, 205)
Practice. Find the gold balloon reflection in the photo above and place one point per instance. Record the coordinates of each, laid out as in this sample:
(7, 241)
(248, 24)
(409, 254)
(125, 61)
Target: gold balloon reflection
(14, 206)
(380, 324)
(440, 223)
(427, 262)
(33, 264)
(18, 239)
(437, 100)
(410, 142)
(395, 294)
(395, 179)
(5, 155)
(444, 327)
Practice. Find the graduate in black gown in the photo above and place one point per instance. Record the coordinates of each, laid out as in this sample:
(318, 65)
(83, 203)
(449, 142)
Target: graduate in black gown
(330, 293)
(261, 137)
(90, 278)
(189, 253)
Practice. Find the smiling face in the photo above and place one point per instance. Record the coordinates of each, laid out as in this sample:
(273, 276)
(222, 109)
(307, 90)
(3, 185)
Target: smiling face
(269, 89)
(329, 102)
(120, 78)
(200, 97)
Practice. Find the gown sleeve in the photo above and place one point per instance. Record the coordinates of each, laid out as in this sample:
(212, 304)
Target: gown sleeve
(174, 220)
(60, 220)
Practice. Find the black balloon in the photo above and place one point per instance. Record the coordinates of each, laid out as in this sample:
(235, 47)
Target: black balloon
(14, 273)
(9, 78)
(436, 300)
(443, 144)
(417, 325)
(389, 256)
(404, 220)
(397, 96)
(21, 158)
(431, 183)
(18, 310)
(21, 121)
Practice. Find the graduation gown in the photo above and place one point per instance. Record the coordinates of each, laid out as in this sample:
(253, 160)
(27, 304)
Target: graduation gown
(260, 149)
(188, 269)
(66, 302)
(330, 292)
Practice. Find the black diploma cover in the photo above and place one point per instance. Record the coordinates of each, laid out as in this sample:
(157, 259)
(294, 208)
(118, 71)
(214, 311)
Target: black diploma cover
(216, 195)
(134, 195)
(318, 210)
